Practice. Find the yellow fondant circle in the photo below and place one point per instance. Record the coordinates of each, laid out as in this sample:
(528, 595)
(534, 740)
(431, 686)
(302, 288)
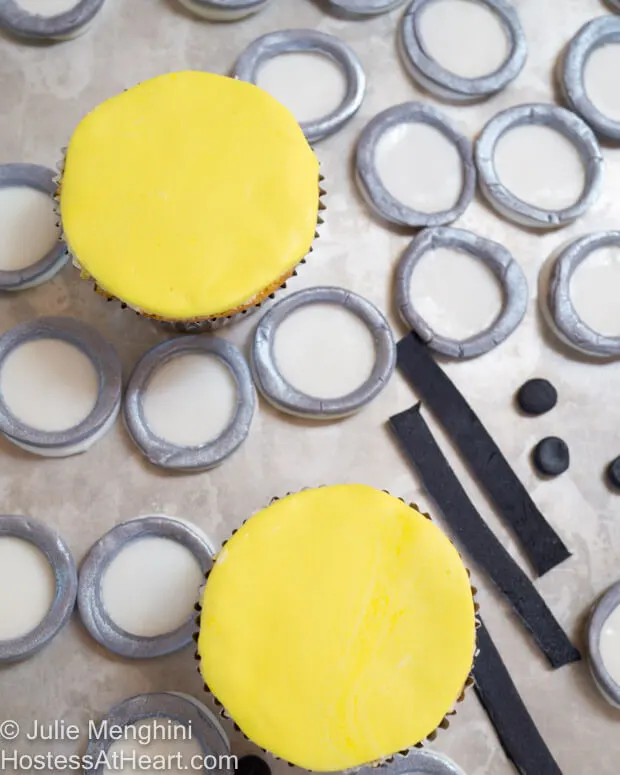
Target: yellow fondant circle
(190, 195)
(337, 627)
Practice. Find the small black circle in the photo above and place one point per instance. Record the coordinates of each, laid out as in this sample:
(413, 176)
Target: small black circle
(613, 473)
(537, 396)
(551, 456)
(253, 765)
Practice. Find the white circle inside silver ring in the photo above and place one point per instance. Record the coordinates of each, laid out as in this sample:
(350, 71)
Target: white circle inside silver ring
(99, 557)
(371, 184)
(506, 270)
(161, 706)
(565, 319)
(161, 452)
(284, 396)
(41, 179)
(592, 36)
(61, 561)
(448, 85)
(567, 123)
(274, 44)
(605, 606)
(105, 362)
(64, 25)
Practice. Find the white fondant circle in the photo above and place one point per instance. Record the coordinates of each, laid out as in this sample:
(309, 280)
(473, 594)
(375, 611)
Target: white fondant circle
(105, 361)
(65, 576)
(288, 41)
(593, 35)
(372, 186)
(276, 389)
(447, 85)
(508, 272)
(92, 610)
(559, 305)
(186, 711)
(508, 204)
(65, 25)
(41, 179)
(601, 612)
(200, 458)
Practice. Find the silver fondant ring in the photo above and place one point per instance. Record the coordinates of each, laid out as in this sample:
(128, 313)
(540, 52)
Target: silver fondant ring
(500, 262)
(68, 24)
(369, 179)
(288, 41)
(278, 391)
(593, 35)
(107, 365)
(92, 610)
(362, 9)
(224, 10)
(162, 707)
(418, 762)
(199, 458)
(447, 85)
(563, 121)
(41, 179)
(601, 612)
(65, 576)
(563, 315)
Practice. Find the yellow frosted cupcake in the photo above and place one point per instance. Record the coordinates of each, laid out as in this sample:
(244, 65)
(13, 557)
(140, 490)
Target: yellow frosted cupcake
(337, 627)
(191, 197)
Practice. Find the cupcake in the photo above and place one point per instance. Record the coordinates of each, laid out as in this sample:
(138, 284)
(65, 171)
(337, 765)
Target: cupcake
(337, 628)
(191, 198)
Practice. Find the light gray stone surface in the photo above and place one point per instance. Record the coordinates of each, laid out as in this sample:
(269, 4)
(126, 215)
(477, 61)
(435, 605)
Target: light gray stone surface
(45, 91)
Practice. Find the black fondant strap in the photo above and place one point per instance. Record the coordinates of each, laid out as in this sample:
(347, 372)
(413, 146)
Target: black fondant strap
(541, 543)
(515, 727)
(477, 539)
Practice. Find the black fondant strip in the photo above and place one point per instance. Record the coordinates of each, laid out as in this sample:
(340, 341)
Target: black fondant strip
(542, 545)
(477, 539)
(515, 728)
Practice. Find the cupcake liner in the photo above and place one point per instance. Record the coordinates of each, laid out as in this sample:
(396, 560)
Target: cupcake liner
(444, 723)
(192, 325)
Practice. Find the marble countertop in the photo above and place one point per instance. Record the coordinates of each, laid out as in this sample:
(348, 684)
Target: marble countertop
(44, 91)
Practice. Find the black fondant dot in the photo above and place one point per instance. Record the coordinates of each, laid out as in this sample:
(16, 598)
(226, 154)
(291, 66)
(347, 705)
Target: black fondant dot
(252, 765)
(551, 456)
(613, 473)
(537, 396)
